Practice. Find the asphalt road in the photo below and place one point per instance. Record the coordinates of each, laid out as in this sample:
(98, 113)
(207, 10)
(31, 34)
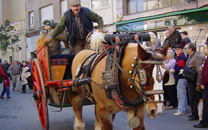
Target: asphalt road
(20, 113)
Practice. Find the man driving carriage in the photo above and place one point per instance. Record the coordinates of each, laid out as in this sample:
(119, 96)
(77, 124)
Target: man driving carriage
(78, 21)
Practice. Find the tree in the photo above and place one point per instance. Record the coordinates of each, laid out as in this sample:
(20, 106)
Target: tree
(7, 39)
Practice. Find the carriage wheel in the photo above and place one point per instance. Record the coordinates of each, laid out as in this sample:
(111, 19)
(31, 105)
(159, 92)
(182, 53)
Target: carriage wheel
(40, 95)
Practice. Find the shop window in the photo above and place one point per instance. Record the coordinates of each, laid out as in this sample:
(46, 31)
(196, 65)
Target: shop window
(46, 13)
(134, 6)
(99, 3)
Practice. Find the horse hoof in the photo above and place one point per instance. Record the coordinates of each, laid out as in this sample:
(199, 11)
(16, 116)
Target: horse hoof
(79, 126)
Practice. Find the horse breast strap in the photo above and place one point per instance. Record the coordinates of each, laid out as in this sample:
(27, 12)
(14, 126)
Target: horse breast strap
(112, 84)
(110, 77)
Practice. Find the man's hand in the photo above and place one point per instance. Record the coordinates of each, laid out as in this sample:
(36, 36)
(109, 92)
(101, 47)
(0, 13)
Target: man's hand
(47, 40)
(198, 88)
(202, 87)
(172, 71)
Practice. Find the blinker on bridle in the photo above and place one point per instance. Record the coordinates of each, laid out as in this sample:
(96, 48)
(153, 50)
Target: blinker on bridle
(143, 77)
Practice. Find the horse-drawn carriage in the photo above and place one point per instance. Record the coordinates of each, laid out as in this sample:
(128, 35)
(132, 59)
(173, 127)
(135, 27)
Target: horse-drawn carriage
(122, 78)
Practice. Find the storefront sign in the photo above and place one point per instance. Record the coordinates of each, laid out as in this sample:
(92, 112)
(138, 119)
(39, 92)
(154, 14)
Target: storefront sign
(142, 25)
(177, 20)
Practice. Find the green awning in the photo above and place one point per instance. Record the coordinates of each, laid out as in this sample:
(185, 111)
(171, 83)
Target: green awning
(162, 15)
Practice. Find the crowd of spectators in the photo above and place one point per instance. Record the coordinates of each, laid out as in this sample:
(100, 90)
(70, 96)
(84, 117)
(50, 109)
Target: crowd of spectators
(183, 91)
(16, 73)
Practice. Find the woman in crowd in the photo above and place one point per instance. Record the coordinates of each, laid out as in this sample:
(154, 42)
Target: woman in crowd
(170, 87)
(26, 77)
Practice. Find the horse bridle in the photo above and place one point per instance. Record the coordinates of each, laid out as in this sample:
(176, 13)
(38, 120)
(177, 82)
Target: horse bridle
(141, 74)
(143, 78)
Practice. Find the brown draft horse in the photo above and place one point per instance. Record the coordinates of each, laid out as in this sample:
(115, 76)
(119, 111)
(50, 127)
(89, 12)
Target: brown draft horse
(104, 107)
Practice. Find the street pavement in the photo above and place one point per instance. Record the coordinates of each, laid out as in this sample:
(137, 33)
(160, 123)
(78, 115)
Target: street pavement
(20, 113)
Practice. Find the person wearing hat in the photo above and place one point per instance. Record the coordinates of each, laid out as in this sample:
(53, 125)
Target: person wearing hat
(79, 22)
(180, 82)
(54, 45)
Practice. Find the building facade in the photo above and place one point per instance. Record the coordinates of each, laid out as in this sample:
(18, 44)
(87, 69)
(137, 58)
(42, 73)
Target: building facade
(39, 10)
(156, 15)
(133, 15)
(14, 11)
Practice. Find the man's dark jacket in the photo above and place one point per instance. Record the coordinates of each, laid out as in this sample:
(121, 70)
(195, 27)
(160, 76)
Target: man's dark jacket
(175, 38)
(84, 17)
(6, 66)
(187, 40)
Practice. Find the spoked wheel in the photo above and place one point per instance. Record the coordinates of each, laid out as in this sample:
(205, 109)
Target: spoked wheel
(40, 95)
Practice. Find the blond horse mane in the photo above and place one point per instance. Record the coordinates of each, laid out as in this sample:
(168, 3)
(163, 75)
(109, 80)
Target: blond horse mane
(97, 39)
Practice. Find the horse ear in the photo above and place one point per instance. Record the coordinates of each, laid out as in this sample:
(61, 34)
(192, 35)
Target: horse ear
(142, 54)
(164, 50)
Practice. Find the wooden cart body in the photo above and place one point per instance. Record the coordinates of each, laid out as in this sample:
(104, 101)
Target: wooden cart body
(48, 84)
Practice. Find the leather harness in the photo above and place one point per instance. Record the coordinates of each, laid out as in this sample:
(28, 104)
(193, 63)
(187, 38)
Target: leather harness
(111, 81)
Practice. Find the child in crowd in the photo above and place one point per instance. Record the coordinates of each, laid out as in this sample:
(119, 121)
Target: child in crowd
(6, 89)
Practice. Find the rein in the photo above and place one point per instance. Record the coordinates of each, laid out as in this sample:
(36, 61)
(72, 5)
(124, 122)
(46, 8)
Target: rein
(140, 89)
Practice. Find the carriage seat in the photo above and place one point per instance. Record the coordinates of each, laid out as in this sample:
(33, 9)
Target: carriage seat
(58, 67)
(59, 62)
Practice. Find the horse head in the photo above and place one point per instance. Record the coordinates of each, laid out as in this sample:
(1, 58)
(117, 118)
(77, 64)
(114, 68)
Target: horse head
(146, 71)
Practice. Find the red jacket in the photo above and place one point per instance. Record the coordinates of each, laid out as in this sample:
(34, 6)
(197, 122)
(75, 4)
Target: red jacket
(6, 82)
(2, 73)
(204, 79)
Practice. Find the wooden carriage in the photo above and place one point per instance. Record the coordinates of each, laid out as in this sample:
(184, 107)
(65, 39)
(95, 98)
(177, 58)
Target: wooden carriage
(48, 84)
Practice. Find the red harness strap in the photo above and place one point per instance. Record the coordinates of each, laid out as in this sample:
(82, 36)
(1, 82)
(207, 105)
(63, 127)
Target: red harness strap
(118, 101)
(114, 92)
